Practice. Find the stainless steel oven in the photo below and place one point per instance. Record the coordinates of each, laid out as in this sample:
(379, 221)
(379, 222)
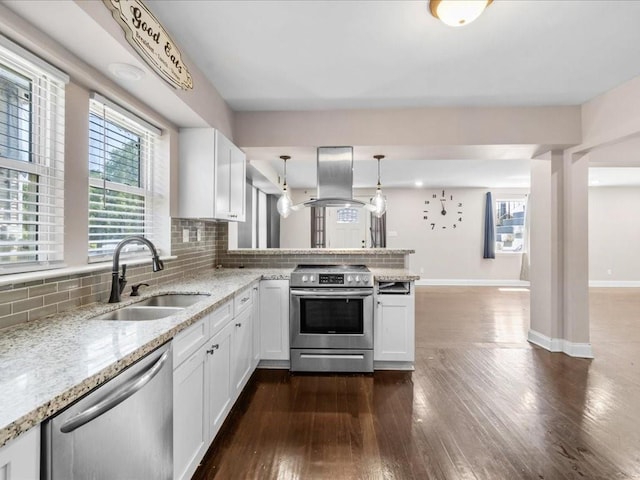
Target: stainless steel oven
(331, 318)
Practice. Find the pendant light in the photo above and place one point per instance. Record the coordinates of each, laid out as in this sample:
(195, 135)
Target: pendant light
(457, 13)
(378, 202)
(285, 204)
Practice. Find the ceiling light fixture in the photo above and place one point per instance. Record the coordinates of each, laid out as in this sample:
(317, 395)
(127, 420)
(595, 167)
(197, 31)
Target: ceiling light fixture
(457, 13)
(285, 204)
(378, 202)
(124, 71)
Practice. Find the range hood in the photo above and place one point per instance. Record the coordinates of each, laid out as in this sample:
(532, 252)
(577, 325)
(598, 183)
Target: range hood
(335, 179)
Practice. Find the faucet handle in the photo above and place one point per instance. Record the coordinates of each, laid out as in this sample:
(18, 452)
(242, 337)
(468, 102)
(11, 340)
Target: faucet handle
(136, 287)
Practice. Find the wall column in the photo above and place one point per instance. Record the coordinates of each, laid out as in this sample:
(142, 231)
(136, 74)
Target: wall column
(559, 254)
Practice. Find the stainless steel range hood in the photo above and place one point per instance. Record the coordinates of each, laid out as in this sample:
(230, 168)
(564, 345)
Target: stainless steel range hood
(335, 178)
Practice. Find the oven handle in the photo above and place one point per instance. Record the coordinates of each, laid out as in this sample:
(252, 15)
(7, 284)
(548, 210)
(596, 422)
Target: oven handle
(318, 293)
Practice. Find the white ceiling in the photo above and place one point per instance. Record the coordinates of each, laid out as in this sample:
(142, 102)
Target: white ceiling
(301, 55)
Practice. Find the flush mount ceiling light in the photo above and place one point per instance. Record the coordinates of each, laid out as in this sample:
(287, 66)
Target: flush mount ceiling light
(457, 13)
(124, 71)
(379, 202)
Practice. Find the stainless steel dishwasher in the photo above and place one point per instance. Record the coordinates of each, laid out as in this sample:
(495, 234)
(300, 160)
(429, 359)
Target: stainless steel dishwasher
(121, 430)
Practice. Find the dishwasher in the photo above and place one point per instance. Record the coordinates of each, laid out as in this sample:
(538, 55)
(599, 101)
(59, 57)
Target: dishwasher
(122, 430)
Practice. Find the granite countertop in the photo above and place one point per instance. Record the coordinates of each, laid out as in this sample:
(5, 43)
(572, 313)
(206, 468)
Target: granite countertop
(47, 364)
(321, 251)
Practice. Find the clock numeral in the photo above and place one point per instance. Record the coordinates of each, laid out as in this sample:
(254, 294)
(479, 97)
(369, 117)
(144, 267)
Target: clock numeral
(434, 196)
(443, 227)
(460, 219)
(426, 202)
(459, 213)
(433, 225)
(443, 193)
(460, 204)
(455, 226)
(451, 197)
(425, 217)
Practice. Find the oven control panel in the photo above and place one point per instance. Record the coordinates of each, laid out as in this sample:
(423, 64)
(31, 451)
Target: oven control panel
(331, 279)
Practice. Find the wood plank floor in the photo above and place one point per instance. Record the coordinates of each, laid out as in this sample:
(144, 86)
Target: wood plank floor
(481, 404)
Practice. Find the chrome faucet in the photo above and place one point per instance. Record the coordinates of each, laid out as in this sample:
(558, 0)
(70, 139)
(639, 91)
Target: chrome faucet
(118, 281)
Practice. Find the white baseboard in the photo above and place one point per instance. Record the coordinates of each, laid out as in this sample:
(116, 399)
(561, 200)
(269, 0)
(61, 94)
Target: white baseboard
(472, 282)
(615, 283)
(580, 350)
(383, 365)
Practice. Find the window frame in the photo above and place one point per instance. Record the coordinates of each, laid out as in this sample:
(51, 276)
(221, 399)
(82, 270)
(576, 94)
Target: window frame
(149, 138)
(44, 159)
(499, 243)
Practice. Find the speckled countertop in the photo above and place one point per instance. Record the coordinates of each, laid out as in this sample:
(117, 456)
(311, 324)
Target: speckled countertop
(47, 364)
(321, 251)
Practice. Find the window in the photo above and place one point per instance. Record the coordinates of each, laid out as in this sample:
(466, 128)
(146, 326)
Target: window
(510, 216)
(31, 161)
(122, 152)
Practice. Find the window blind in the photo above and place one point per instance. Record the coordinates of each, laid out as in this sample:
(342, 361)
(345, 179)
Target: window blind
(31, 162)
(122, 150)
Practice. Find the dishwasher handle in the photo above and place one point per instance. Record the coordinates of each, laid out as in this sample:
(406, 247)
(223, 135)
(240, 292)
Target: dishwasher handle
(115, 398)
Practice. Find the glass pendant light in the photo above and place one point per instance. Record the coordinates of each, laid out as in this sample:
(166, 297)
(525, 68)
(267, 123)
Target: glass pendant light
(285, 204)
(378, 202)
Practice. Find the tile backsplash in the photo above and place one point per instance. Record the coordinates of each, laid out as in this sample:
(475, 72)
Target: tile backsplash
(27, 301)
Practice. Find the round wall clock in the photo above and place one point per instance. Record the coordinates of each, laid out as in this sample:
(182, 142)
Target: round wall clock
(441, 211)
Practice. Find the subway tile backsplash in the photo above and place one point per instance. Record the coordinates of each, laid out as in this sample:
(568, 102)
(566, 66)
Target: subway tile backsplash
(22, 302)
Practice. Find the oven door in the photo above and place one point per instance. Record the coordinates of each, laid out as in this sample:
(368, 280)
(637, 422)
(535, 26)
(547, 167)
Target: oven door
(331, 318)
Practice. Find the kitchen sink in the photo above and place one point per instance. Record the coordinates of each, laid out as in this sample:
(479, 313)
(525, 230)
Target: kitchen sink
(136, 314)
(181, 300)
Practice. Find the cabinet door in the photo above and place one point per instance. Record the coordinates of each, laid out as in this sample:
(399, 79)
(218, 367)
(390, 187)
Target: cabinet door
(190, 435)
(394, 336)
(20, 458)
(219, 383)
(255, 350)
(274, 320)
(223, 176)
(242, 356)
(196, 196)
(237, 184)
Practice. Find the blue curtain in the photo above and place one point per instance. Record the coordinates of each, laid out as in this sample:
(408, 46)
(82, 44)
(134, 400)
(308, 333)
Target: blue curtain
(489, 229)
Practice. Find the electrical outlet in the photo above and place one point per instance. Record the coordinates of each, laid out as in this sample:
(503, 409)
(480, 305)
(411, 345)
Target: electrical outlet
(185, 235)
(199, 234)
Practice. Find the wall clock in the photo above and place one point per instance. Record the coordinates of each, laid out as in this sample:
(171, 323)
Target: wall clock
(442, 211)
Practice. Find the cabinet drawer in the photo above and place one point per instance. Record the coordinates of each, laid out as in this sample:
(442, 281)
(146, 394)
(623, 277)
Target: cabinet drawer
(241, 301)
(220, 318)
(189, 340)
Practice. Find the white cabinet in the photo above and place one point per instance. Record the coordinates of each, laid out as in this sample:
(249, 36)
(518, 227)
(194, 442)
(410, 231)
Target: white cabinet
(20, 458)
(274, 320)
(219, 381)
(394, 328)
(255, 306)
(190, 433)
(212, 176)
(213, 363)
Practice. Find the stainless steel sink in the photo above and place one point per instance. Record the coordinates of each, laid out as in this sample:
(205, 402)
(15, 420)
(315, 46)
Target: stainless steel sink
(181, 300)
(136, 314)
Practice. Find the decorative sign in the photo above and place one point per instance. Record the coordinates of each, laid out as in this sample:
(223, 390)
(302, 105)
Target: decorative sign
(152, 42)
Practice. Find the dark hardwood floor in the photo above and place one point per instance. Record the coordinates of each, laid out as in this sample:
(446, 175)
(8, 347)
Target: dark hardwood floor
(482, 403)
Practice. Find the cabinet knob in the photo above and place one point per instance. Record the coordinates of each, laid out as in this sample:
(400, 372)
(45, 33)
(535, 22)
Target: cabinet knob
(244, 299)
(238, 324)
(213, 349)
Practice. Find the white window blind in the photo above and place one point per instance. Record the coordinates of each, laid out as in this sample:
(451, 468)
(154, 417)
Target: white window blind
(31, 161)
(122, 153)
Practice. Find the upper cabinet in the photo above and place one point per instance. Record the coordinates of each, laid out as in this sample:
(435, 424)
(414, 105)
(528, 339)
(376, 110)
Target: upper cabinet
(212, 176)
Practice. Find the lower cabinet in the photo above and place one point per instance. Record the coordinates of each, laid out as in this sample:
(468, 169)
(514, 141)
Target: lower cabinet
(274, 320)
(208, 382)
(394, 328)
(20, 458)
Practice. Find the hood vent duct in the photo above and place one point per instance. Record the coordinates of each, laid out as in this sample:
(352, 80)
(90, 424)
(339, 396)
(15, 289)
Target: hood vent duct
(335, 178)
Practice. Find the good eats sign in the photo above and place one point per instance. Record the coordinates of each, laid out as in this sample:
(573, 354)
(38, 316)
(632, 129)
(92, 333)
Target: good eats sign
(152, 42)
